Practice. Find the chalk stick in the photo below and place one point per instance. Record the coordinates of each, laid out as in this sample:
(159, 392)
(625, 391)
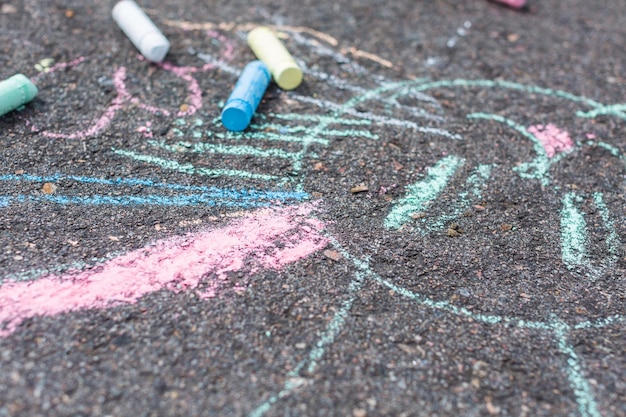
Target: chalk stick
(142, 32)
(269, 49)
(246, 96)
(15, 92)
(516, 4)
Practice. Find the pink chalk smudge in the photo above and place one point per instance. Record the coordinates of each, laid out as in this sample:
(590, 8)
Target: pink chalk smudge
(201, 260)
(552, 138)
(146, 130)
(516, 4)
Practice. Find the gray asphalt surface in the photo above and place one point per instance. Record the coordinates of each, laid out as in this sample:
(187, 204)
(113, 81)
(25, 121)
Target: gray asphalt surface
(479, 270)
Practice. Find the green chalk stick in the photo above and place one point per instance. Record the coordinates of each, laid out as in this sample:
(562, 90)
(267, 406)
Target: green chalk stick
(15, 92)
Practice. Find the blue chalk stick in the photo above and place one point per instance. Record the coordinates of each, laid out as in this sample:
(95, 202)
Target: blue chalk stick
(246, 96)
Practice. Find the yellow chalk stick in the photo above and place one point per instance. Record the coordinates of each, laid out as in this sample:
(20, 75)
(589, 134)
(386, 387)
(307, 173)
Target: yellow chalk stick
(269, 49)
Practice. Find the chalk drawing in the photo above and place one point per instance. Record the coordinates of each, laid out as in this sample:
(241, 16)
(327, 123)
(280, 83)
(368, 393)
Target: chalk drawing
(200, 261)
(587, 405)
(196, 131)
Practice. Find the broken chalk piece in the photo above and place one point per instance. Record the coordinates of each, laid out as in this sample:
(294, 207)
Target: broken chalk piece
(269, 49)
(246, 96)
(15, 92)
(516, 4)
(142, 32)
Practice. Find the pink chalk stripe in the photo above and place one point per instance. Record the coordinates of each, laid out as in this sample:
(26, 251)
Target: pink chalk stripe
(553, 139)
(201, 260)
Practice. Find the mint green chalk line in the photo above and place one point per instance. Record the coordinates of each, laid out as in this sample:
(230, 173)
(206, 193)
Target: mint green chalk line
(332, 330)
(273, 137)
(600, 323)
(357, 133)
(584, 396)
(508, 85)
(475, 183)
(537, 146)
(612, 239)
(190, 169)
(540, 164)
(336, 324)
(587, 406)
(423, 192)
(610, 110)
(320, 119)
(573, 233)
(242, 150)
(617, 110)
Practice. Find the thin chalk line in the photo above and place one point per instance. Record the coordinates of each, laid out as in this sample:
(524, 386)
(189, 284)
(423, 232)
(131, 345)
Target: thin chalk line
(211, 191)
(614, 110)
(612, 240)
(521, 129)
(206, 147)
(618, 110)
(190, 168)
(375, 94)
(587, 405)
(582, 392)
(268, 136)
(132, 200)
(327, 104)
(348, 109)
(329, 132)
(219, 64)
(330, 333)
(540, 164)
(584, 396)
(321, 119)
(574, 236)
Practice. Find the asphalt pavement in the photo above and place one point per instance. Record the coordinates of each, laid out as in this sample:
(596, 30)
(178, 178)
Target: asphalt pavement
(429, 225)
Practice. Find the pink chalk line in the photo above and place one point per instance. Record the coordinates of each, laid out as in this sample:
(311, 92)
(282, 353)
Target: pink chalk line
(552, 138)
(198, 261)
(109, 114)
(195, 92)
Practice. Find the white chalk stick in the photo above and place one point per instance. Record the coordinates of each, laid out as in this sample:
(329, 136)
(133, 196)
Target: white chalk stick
(141, 30)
